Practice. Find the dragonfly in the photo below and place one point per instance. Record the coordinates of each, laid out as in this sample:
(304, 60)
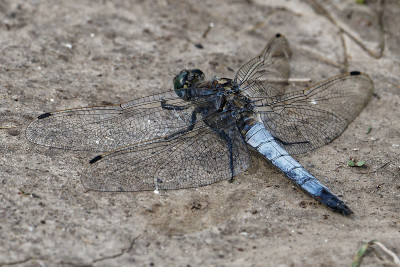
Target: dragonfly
(201, 132)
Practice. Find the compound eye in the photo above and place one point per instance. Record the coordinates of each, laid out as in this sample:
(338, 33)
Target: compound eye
(199, 75)
(194, 77)
(180, 80)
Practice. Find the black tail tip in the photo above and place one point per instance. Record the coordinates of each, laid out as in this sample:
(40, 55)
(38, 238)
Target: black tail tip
(278, 35)
(333, 202)
(44, 115)
(93, 160)
(344, 209)
(354, 73)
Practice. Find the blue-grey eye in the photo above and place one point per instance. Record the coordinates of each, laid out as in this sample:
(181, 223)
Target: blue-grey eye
(186, 79)
(198, 76)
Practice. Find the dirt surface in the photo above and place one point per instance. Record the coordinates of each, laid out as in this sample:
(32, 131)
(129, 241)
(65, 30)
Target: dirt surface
(63, 54)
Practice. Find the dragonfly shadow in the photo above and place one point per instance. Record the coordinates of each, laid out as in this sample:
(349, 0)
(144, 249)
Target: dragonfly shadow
(186, 211)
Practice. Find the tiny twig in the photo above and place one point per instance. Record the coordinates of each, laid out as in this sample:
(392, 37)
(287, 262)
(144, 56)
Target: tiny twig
(8, 127)
(210, 26)
(361, 253)
(299, 80)
(396, 259)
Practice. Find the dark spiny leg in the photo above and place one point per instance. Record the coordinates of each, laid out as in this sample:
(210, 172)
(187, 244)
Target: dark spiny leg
(230, 147)
(188, 129)
(164, 105)
(230, 158)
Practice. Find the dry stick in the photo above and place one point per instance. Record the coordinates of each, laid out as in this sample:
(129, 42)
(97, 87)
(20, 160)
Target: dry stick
(346, 62)
(319, 57)
(361, 253)
(323, 12)
(265, 21)
(396, 259)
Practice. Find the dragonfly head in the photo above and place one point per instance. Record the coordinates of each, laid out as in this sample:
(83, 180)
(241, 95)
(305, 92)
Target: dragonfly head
(186, 79)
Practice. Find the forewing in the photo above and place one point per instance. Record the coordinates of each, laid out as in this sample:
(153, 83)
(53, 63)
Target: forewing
(197, 158)
(109, 127)
(268, 73)
(304, 120)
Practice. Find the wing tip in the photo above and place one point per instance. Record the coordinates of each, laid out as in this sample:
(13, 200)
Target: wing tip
(44, 115)
(359, 73)
(355, 73)
(95, 159)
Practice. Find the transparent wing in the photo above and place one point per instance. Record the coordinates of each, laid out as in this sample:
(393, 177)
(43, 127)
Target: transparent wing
(307, 119)
(197, 158)
(109, 127)
(267, 74)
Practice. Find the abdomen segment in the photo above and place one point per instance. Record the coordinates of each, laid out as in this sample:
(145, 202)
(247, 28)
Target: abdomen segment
(261, 139)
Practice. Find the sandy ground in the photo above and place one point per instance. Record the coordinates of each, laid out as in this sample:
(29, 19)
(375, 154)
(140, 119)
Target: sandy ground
(63, 54)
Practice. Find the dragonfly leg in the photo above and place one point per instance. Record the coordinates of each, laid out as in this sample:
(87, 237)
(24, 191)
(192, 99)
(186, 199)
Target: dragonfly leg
(164, 105)
(192, 123)
(230, 147)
